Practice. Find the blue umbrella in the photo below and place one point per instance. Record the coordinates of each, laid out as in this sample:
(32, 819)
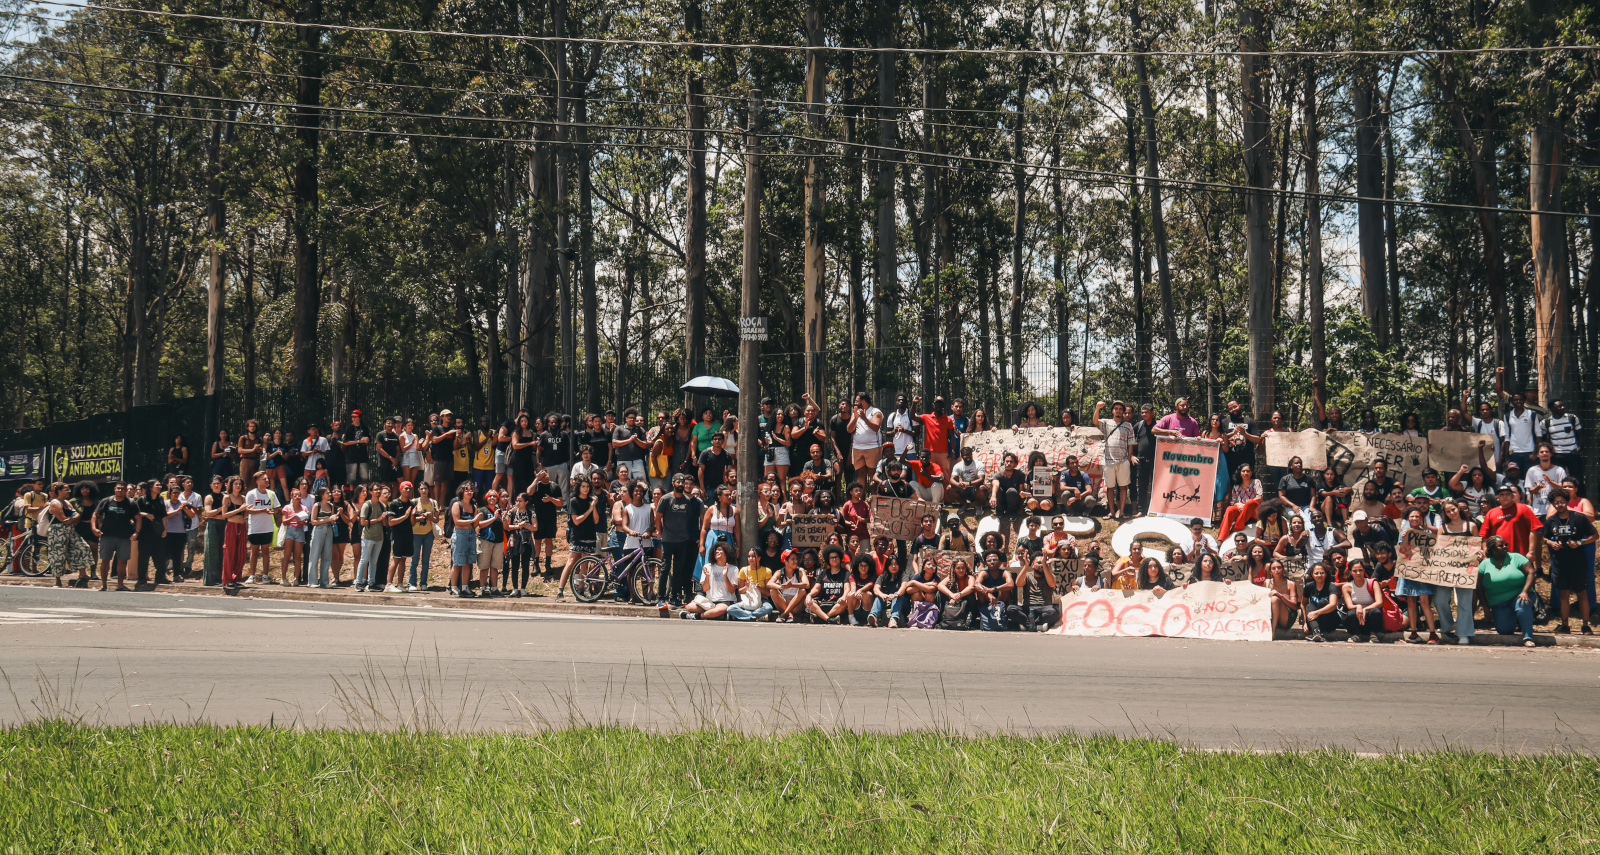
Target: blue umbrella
(709, 385)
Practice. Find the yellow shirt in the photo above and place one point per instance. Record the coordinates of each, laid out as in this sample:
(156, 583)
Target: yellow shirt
(33, 503)
(418, 524)
(484, 459)
(757, 576)
(462, 453)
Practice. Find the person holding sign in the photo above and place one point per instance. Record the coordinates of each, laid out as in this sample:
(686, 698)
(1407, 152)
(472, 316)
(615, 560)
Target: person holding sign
(1565, 534)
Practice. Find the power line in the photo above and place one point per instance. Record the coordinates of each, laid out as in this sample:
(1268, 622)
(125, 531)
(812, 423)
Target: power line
(833, 48)
(999, 166)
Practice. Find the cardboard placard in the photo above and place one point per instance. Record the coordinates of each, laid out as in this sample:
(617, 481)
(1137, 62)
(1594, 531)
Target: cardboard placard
(990, 447)
(1311, 446)
(1240, 612)
(1067, 571)
(810, 531)
(1449, 450)
(1185, 478)
(1451, 562)
(1351, 455)
(900, 519)
(945, 559)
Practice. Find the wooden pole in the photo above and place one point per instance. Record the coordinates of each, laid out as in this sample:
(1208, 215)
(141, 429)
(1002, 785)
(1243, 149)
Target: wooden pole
(816, 294)
(749, 349)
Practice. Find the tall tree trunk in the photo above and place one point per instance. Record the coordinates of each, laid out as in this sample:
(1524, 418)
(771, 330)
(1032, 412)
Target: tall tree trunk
(216, 270)
(1253, 75)
(1485, 196)
(985, 367)
(949, 290)
(537, 371)
(564, 158)
(1369, 208)
(1319, 349)
(884, 289)
(511, 256)
(247, 316)
(631, 263)
(138, 324)
(1288, 165)
(927, 275)
(1548, 244)
(694, 239)
(1141, 330)
(1158, 228)
(591, 308)
(307, 119)
(816, 290)
(467, 340)
(1391, 237)
(857, 296)
(1063, 299)
(1019, 184)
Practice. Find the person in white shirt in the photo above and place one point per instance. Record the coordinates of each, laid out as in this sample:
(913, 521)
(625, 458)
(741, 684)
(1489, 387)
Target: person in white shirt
(1561, 431)
(866, 442)
(192, 526)
(718, 582)
(312, 449)
(901, 425)
(967, 476)
(261, 514)
(1520, 423)
(1199, 542)
(1541, 478)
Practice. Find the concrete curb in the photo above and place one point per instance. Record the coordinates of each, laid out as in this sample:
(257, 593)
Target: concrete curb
(546, 605)
(347, 596)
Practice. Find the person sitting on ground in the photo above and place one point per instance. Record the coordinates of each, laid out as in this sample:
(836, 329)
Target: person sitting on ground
(1199, 542)
(993, 589)
(891, 595)
(1153, 577)
(752, 583)
(955, 537)
(1285, 597)
(790, 585)
(1040, 492)
(1032, 540)
(719, 581)
(1362, 612)
(1058, 544)
(827, 601)
(1124, 574)
(1320, 598)
(1296, 543)
(1075, 492)
(1334, 498)
(1507, 581)
(1207, 569)
(1007, 490)
(1243, 499)
(966, 478)
(861, 591)
(923, 592)
(958, 596)
(1035, 608)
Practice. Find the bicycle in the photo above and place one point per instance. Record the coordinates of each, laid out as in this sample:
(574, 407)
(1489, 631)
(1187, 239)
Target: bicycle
(22, 552)
(594, 575)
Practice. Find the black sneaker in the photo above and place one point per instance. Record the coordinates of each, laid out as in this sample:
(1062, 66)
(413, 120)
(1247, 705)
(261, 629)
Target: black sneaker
(1587, 630)
(1562, 629)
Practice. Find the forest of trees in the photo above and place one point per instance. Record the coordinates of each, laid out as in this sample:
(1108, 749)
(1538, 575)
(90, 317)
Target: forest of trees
(1142, 198)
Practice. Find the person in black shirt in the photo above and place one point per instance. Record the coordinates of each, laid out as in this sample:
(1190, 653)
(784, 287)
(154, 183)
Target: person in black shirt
(335, 458)
(713, 462)
(1367, 533)
(1242, 438)
(598, 438)
(152, 534)
(401, 546)
(817, 467)
(555, 452)
(839, 429)
(389, 453)
(546, 501)
(1296, 486)
(1005, 493)
(889, 595)
(1144, 450)
(827, 602)
(1033, 541)
(354, 440)
(1320, 602)
(443, 446)
(116, 520)
(895, 484)
(1566, 533)
(1035, 608)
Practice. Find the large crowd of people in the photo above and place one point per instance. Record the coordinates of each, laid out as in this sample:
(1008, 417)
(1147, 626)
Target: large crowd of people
(298, 506)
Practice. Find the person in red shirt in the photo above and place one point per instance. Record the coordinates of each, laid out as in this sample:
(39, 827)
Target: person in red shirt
(936, 429)
(1514, 521)
(856, 513)
(927, 479)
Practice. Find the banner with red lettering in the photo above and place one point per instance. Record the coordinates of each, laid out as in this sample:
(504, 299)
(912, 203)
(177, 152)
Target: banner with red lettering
(1221, 610)
(1185, 478)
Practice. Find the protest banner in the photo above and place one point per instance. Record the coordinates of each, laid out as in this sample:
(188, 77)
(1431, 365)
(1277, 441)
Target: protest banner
(1185, 477)
(989, 447)
(93, 461)
(945, 559)
(1351, 455)
(1449, 450)
(1451, 562)
(900, 519)
(1219, 610)
(1311, 446)
(810, 531)
(24, 465)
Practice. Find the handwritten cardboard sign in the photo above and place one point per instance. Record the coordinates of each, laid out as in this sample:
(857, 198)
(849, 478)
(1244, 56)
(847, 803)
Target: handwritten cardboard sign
(900, 519)
(1351, 455)
(1057, 443)
(1452, 562)
(1067, 571)
(810, 531)
(1185, 478)
(1449, 450)
(944, 560)
(1311, 446)
(1241, 612)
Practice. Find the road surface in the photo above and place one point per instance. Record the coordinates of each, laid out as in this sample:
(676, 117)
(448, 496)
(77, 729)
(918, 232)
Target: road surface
(138, 657)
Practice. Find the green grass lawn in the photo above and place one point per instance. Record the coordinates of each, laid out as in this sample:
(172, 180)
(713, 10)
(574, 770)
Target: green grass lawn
(67, 788)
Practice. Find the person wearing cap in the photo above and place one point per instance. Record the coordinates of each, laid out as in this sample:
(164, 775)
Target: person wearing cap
(1513, 521)
(355, 440)
(787, 587)
(1364, 531)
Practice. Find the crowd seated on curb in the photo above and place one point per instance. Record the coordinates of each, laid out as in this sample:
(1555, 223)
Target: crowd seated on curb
(296, 507)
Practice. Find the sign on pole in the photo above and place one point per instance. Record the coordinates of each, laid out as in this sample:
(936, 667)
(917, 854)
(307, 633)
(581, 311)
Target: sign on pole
(753, 329)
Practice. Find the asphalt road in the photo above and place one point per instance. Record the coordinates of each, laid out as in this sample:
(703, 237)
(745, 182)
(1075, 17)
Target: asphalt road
(138, 657)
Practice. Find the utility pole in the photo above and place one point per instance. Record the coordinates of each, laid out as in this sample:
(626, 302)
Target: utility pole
(569, 374)
(749, 344)
(816, 297)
